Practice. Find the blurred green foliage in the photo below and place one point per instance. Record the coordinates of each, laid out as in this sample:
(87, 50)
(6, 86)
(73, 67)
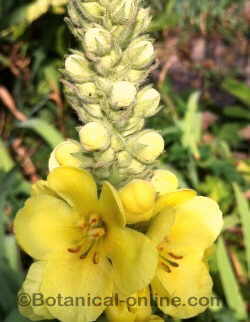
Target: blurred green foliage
(205, 124)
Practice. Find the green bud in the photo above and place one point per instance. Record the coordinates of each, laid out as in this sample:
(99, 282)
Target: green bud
(105, 157)
(135, 167)
(87, 89)
(97, 41)
(140, 54)
(94, 136)
(123, 94)
(143, 21)
(135, 124)
(125, 11)
(147, 102)
(116, 143)
(92, 11)
(123, 159)
(78, 68)
(147, 146)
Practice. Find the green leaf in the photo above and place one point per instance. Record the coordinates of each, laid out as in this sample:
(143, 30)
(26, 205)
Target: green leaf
(231, 288)
(191, 125)
(45, 130)
(238, 89)
(244, 213)
(6, 162)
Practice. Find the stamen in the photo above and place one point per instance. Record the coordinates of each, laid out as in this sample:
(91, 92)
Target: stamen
(85, 254)
(166, 267)
(175, 256)
(96, 233)
(95, 258)
(94, 220)
(174, 264)
(74, 250)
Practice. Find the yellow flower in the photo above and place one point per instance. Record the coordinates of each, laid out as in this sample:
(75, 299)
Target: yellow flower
(136, 308)
(183, 227)
(81, 245)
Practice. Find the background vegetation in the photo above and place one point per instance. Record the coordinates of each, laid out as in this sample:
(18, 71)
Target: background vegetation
(203, 73)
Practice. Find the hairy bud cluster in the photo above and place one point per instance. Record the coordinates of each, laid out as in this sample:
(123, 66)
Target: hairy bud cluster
(104, 84)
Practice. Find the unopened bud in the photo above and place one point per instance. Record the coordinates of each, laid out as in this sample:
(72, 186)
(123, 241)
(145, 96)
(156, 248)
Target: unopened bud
(164, 181)
(98, 41)
(138, 198)
(123, 94)
(63, 155)
(147, 146)
(94, 137)
(124, 12)
(147, 102)
(106, 156)
(140, 54)
(92, 10)
(87, 89)
(143, 21)
(78, 67)
(124, 159)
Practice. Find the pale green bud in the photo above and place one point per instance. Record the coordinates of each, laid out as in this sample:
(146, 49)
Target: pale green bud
(135, 124)
(98, 41)
(123, 94)
(94, 110)
(78, 67)
(134, 167)
(136, 76)
(94, 136)
(140, 54)
(92, 11)
(106, 156)
(147, 146)
(147, 102)
(143, 21)
(123, 159)
(87, 89)
(105, 64)
(124, 11)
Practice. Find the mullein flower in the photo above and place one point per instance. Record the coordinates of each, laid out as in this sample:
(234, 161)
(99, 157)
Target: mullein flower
(138, 311)
(183, 227)
(78, 239)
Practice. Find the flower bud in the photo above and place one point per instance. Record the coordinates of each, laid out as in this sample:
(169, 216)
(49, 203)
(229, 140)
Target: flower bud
(87, 89)
(125, 12)
(123, 94)
(123, 159)
(94, 136)
(116, 143)
(143, 21)
(92, 10)
(147, 102)
(147, 146)
(98, 41)
(94, 110)
(106, 156)
(135, 167)
(135, 124)
(164, 181)
(136, 76)
(78, 67)
(138, 198)
(140, 54)
(62, 155)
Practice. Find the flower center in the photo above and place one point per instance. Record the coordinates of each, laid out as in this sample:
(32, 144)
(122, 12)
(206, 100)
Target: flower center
(93, 230)
(168, 260)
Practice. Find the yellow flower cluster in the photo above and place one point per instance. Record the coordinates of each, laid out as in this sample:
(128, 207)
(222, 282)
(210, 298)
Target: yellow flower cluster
(85, 243)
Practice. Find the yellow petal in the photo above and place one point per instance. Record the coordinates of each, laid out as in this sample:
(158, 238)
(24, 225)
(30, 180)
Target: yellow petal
(173, 199)
(181, 292)
(45, 225)
(81, 281)
(198, 223)
(133, 257)
(111, 207)
(164, 181)
(75, 186)
(31, 287)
